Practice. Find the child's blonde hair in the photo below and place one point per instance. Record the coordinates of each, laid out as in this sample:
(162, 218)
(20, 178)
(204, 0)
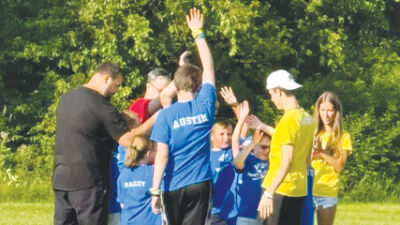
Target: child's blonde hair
(140, 145)
(221, 123)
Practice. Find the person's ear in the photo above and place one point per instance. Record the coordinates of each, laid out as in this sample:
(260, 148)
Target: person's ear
(107, 78)
(280, 92)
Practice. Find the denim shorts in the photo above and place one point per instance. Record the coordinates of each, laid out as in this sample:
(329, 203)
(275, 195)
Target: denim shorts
(324, 202)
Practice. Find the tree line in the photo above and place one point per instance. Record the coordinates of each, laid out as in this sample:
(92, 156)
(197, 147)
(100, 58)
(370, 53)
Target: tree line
(349, 47)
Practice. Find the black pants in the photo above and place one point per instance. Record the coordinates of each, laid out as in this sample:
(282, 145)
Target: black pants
(286, 210)
(189, 205)
(83, 207)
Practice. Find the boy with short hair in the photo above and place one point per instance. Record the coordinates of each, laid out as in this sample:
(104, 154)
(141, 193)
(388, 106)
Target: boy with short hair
(182, 132)
(221, 158)
(252, 163)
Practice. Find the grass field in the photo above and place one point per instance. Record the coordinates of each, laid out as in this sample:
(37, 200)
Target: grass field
(348, 214)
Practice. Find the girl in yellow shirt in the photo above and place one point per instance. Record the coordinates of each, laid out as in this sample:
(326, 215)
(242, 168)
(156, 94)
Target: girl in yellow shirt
(331, 147)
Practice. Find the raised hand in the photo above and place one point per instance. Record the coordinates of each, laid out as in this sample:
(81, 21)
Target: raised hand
(184, 58)
(253, 122)
(257, 136)
(194, 19)
(244, 110)
(228, 95)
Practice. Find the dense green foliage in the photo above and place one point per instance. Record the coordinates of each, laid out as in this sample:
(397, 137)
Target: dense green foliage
(350, 47)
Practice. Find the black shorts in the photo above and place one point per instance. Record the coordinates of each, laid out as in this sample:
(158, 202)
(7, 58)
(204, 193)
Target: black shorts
(190, 205)
(287, 210)
(83, 207)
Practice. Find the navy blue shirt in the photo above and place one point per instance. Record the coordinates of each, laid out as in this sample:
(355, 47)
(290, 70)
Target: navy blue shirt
(250, 187)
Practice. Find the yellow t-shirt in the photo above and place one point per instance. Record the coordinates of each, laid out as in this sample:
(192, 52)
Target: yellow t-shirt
(295, 128)
(326, 178)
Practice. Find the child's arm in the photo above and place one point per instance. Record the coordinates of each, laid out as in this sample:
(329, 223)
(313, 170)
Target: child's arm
(255, 123)
(230, 99)
(167, 95)
(242, 156)
(159, 167)
(195, 23)
(243, 112)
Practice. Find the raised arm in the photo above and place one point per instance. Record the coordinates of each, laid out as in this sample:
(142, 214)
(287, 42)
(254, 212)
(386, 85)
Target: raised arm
(255, 123)
(167, 95)
(184, 58)
(144, 128)
(195, 23)
(239, 161)
(243, 112)
(230, 99)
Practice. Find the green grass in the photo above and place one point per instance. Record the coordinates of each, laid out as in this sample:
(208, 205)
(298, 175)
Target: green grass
(17, 213)
(368, 214)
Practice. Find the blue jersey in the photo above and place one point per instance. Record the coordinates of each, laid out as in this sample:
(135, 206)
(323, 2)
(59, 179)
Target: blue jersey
(223, 176)
(185, 127)
(113, 205)
(121, 151)
(250, 186)
(134, 196)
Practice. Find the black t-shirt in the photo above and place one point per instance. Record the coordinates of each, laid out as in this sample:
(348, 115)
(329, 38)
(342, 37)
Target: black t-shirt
(87, 125)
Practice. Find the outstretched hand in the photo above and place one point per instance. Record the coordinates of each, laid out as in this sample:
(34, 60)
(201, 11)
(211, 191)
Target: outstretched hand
(244, 110)
(257, 136)
(253, 122)
(194, 19)
(184, 58)
(228, 95)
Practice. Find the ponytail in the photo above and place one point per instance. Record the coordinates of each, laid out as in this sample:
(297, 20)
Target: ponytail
(137, 150)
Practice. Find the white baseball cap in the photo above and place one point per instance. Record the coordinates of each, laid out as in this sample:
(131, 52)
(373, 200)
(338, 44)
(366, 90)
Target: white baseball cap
(281, 79)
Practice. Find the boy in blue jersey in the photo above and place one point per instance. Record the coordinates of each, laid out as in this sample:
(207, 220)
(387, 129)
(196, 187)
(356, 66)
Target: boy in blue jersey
(252, 162)
(134, 183)
(182, 133)
(225, 179)
(223, 173)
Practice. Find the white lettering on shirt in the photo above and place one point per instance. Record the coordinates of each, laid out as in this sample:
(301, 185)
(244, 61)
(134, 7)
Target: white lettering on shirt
(189, 120)
(259, 169)
(134, 183)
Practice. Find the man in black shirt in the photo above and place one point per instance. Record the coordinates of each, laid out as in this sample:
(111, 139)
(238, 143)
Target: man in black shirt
(87, 128)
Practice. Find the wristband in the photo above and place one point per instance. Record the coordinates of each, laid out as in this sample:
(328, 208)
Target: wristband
(201, 36)
(197, 32)
(155, 192)
(267, 195)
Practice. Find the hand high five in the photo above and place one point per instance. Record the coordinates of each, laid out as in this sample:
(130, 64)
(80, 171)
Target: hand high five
(194, 19)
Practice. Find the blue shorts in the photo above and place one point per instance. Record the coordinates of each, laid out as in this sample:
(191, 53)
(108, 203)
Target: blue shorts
(324, 202)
